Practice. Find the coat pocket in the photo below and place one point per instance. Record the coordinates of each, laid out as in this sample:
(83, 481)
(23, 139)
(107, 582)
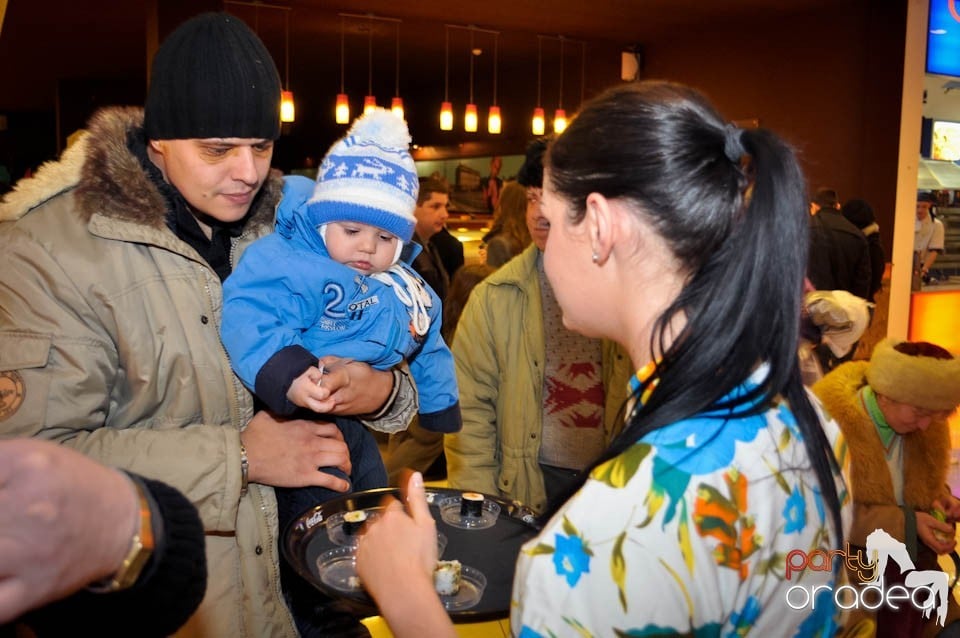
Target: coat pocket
(22, 393)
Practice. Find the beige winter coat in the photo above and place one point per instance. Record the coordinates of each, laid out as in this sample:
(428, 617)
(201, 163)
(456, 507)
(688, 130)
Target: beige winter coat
(109, 343)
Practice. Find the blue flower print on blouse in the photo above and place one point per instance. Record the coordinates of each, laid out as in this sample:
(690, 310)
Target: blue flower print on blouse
(744, 619)
(795, 512)
(820, 623)
(702, 445)
(571, 558)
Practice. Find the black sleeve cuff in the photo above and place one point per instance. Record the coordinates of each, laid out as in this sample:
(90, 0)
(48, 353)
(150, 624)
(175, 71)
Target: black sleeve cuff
(274, 379)
(446, 421)
(165, 595)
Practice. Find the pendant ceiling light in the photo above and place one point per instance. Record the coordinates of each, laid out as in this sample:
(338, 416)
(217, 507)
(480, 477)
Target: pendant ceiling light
(369, 101)
(493, 120)
(560, 116)
(538, 123)
(343, 103)
(470, 114)
(396, 105)
(287, 110)
(446, 109)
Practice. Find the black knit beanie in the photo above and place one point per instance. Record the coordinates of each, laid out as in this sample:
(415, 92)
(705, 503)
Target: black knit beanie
(213, 77)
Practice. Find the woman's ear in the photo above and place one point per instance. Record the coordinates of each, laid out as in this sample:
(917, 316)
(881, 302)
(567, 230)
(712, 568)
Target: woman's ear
(601, 227)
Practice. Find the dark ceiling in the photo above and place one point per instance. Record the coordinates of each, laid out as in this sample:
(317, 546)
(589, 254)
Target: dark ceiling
(64, 56)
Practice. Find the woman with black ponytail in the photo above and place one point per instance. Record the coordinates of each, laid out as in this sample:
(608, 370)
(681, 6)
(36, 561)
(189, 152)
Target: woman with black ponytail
(683, 238)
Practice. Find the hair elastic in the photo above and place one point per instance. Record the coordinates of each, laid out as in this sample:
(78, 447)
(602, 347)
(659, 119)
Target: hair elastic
(732, 146)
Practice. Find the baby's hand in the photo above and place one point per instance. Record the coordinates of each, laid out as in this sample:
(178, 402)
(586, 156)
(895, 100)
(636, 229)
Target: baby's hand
(308, 391)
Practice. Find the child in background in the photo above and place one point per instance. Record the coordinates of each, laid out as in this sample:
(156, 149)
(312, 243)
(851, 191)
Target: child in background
(334, 279)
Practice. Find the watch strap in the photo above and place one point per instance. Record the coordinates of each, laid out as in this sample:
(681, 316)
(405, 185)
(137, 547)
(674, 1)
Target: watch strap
(141, 548)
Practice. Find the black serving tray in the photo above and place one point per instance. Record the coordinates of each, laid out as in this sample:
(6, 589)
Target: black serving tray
(493, 550)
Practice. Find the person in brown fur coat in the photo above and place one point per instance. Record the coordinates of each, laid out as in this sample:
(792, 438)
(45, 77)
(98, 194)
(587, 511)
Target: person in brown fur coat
(893, 412)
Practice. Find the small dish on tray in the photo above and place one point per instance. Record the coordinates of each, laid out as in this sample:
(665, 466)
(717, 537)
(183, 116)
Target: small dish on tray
(454, 511)
(472, 584)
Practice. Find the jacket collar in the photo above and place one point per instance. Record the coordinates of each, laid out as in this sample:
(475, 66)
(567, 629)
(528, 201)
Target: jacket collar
(519, 271)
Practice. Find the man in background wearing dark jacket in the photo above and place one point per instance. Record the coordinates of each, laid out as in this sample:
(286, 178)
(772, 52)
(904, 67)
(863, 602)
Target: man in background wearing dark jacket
(839, 255)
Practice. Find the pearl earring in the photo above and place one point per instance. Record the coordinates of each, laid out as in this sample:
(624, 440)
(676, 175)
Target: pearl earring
(596, 258)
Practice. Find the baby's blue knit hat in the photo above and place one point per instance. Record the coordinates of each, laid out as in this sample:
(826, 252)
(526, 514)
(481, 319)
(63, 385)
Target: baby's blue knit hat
(369, 177)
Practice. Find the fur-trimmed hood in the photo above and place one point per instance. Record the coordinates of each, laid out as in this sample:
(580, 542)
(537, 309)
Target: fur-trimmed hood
(926, 454)
(109, 178)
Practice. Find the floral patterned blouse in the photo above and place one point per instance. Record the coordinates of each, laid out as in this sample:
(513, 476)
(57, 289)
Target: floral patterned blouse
(687, 532)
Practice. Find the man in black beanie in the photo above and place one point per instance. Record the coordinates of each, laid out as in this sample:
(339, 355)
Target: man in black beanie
(113, 259)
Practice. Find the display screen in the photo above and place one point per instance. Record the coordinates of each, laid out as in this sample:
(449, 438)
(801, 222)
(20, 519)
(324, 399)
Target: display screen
(945, 143)
(943, 38)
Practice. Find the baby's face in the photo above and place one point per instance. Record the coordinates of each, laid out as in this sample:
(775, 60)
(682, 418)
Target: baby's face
(367, 249)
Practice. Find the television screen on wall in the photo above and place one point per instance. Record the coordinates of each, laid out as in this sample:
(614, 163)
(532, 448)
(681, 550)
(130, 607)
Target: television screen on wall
(943, 38)
(945, 141)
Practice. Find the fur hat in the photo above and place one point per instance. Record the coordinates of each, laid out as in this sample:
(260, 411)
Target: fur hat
(213, 77)
(926, 382)
(369, 177)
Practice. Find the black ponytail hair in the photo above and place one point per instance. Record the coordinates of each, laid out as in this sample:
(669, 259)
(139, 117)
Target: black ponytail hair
(731, 205)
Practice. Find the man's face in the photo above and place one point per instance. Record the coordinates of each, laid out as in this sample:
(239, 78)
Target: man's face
(537, 224)
(431, 215)
(218, 177)
(923, 210)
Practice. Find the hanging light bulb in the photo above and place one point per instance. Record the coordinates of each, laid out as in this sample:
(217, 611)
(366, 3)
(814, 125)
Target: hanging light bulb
(470, 118)
(446, 108)
(560, 116)
(559, 121)
(369, 101)
(342, 110)
(470, 115)
(494, 123)
(446, 116)
(493, 119)
(396, 104)
(287, 111)
(538, 123)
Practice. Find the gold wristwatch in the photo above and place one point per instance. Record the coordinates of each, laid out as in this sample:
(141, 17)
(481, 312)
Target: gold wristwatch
(141, 548)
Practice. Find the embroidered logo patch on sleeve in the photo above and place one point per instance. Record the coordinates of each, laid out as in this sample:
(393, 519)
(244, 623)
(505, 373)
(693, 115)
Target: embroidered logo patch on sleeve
(11, 393)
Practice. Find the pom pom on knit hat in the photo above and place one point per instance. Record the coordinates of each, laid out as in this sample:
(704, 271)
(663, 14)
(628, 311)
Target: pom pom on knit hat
(369, 177)
(213, 77)
(928, 382)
